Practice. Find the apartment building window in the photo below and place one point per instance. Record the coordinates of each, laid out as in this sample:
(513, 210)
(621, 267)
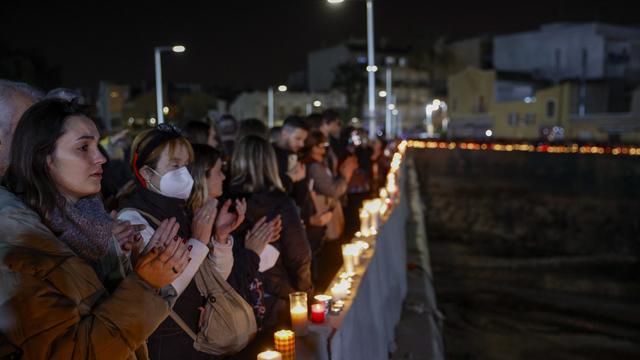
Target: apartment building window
(551, 108)
(530, 118)
(512, 119)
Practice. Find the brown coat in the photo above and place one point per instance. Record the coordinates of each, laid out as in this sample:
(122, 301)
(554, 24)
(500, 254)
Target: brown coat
(53, 304)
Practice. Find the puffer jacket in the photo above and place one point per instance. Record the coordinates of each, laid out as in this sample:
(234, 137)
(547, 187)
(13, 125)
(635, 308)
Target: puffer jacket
(52, 303)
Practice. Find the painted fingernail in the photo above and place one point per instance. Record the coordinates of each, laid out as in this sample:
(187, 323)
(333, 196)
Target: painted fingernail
(175, 238)
(190, 247)
(184, 241)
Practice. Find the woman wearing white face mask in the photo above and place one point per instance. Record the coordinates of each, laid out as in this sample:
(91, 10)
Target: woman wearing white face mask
(163, 184)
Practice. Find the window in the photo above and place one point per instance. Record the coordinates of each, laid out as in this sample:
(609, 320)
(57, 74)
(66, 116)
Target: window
(551, 108)
(512, 119)
(530, 119)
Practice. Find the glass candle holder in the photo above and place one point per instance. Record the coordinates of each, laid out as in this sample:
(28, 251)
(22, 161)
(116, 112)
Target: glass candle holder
(298, 309)
(318, 312)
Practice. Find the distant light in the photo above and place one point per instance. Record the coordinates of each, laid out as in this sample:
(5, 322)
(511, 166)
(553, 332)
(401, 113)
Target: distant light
(355, 120)
(395, 112)
(428, 110)
(282, 88)
(372, 68)
(436, 103)
(489, 133)
(165, 110)
(530, 99)
(178, 49)
(317, 103)
(152, 121)
(114, 94)
(382, 93)
(392, 106)
(131, 120)
(335, 1)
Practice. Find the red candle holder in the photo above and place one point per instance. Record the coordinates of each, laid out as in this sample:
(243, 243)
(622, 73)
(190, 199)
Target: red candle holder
(318, 313)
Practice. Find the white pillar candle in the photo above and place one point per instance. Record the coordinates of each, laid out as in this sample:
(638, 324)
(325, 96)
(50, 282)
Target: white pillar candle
(270, 355)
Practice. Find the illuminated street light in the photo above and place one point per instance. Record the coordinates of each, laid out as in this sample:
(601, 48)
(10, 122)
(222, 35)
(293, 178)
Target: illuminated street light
(371, 67)
(157, 51)
(317, 103)
(488, 133)
(282, 88)
(382, 93)
(165, 110)
(178, 49)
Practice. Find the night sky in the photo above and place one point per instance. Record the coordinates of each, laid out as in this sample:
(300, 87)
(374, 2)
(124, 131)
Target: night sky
(250, 43)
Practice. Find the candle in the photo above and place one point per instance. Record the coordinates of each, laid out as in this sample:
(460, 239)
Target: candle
(323, 299)
(364, 222)
(350, 257)
(285, 344)
(269, 355)
(339, 291)
(317, 313)
(373, 208)
(298, 310)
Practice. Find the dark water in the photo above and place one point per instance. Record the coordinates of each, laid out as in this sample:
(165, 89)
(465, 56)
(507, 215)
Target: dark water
(534, 255)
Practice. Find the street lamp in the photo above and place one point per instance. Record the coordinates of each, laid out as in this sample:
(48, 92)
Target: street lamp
(281, 88)
(371, 67)
(157, 51)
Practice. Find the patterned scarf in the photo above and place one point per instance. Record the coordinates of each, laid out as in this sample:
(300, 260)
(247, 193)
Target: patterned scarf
(84, 226)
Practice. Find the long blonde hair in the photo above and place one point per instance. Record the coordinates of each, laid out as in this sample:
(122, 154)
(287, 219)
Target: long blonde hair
(254, 166)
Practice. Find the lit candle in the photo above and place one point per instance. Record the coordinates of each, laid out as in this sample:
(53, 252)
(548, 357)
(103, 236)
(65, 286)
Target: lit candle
(298, 310)
(270, 355)
(317, 313)
(373, 208)
(350, 257)
(324, 299)
(285, 344)
(339, 291)
(364, 222)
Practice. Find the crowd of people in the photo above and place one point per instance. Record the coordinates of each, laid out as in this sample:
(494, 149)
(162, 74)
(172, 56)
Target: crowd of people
(177, 241)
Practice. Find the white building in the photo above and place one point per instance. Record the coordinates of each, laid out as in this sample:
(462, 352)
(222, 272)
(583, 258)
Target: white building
(561, 51)
(254, 104)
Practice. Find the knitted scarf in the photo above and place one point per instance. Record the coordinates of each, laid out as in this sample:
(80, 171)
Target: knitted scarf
(84, 226)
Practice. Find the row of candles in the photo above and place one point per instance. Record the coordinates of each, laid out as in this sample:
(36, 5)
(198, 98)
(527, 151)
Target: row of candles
(371, 215)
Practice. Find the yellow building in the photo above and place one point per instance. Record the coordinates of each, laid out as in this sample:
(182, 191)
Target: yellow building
(481, 105)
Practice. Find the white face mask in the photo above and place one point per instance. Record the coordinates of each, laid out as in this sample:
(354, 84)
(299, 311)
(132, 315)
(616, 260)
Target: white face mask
(176, 183)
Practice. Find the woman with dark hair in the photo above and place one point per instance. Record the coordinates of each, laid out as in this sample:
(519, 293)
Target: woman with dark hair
(71, 292)
(254, 176)
(160, 159)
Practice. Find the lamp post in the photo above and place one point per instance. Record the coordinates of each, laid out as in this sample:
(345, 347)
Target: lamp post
(371, 67)
(157, 51)
(270, 107)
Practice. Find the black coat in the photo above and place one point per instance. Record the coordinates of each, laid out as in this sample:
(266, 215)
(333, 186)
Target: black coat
(292, 271)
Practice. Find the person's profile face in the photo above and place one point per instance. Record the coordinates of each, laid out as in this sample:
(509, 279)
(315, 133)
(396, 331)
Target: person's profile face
(296, 139)
(76, 163)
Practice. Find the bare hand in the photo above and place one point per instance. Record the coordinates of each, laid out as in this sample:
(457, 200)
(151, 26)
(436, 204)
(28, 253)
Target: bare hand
(261, 234)
(321, 219)
(202, 223)
(126, 234)
(167, 259)
(227, 221)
